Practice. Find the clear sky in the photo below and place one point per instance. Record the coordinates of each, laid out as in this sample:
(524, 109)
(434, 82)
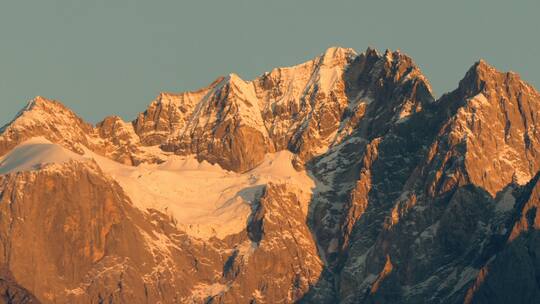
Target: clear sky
(103, 57)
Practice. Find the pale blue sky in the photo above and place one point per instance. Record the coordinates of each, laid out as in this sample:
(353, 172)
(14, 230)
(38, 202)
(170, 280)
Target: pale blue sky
(103, 57)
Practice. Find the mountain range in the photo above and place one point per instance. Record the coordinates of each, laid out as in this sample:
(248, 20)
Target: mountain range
(338, 180)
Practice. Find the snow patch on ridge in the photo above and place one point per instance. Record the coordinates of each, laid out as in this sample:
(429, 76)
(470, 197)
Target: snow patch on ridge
(34, 153)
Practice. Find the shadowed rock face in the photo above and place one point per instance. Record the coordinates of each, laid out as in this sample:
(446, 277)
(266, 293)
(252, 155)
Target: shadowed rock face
(427, 197)
(415, 200)
(512, 275)
(11, 292)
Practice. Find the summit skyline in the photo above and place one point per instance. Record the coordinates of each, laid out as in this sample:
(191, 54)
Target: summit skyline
(101, 58)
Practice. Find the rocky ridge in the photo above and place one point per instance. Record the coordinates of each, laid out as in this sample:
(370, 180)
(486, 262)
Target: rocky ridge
(414, 199)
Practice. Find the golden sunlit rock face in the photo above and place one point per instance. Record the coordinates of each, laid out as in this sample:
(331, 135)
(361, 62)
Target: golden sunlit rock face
(338, 180)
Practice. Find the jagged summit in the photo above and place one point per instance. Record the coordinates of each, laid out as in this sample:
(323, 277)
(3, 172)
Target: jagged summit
(36, 103)
(47, 118)
(486, 69)
(482, 76)
(482, 64)
(41, 101)
(337, 180)
(305, 108)
(476, 75)
(299, 108)
(44, 105)
(336, 53)
(372, 51)
(232, 78)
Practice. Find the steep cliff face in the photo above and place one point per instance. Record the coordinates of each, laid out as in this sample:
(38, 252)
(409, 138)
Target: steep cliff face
(168, 115)
(339, 180)
(90, 244)
(279, 261)
(500, 128)
(426, 200)
(390, 92)
(58, 223)
(512, 274)
(303, 105)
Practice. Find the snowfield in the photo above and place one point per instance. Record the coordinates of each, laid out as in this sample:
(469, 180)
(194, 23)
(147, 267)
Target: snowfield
(204, 199)
(33, 153)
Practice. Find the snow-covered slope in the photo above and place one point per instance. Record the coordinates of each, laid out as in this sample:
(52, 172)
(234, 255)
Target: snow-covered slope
(34, 153)
(203, 199)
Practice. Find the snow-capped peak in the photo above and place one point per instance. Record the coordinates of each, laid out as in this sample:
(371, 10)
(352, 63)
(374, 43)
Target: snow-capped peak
(337, 53)
(233, 77)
